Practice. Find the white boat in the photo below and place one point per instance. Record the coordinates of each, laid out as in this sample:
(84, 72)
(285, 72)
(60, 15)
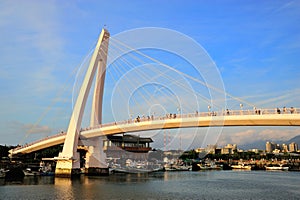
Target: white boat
(276, 167)
(241, 166)
(209, 166)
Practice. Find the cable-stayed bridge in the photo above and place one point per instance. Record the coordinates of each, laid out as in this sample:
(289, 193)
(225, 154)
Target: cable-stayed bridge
(68, 159)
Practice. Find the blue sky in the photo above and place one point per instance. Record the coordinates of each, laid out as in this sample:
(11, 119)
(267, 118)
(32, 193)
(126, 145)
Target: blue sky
(255, 44)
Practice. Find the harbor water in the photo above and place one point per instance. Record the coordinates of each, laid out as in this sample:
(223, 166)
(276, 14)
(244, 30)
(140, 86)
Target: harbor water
(160, 185)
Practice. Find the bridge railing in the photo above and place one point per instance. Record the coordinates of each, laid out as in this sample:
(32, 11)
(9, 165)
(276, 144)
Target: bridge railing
(226, 112)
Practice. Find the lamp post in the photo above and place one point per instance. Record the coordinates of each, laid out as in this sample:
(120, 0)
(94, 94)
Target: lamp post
(241, 106)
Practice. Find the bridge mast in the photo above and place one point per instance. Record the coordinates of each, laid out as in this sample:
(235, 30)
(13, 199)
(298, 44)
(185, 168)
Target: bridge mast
(68, 161)
(95, 158)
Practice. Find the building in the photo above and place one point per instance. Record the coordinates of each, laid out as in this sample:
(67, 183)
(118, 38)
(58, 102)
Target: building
(127, 146)
(210, 149)
(229, 149)
(285, 148)
(293, 147)
(270, 147)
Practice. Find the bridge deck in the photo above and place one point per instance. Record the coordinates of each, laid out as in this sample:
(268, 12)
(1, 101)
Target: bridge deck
(190, 120)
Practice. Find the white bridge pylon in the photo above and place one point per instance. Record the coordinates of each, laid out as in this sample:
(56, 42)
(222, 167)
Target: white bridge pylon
(68, 161)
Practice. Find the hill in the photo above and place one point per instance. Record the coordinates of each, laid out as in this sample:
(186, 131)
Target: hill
(294, 139)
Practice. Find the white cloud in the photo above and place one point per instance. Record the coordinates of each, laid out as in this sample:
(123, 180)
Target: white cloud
(252, 135)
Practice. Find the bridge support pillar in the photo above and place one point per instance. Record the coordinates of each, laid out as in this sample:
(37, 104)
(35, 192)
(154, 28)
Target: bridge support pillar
(67, 167)
(95, 161)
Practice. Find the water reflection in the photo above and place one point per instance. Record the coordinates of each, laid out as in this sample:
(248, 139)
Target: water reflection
(63, 188)
(29, 180)
(67, 183)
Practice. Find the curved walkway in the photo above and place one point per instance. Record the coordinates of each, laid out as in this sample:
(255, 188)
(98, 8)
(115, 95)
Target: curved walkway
(257, 117)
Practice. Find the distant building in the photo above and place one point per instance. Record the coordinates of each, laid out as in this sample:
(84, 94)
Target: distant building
(270, 147)
(229, 149)
(285, 148)
(226, 150)
(211, 149)
(293, 147)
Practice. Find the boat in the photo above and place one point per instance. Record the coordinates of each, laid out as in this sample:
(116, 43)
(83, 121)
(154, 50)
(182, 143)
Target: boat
(241, 166)
(276, 167)
(29, 172)
(209, 166)
(46, 169)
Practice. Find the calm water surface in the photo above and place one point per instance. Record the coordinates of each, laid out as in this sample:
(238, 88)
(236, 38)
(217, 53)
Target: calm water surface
(168, 185)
